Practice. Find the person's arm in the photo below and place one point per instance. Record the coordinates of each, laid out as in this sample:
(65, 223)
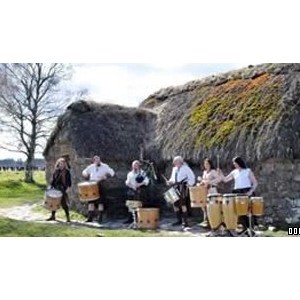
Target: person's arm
(128, 181)
(191, 177)
(254, 183)
(86, 172)
(172, 179)
(216, 178)
(227, 178)
(110, 172)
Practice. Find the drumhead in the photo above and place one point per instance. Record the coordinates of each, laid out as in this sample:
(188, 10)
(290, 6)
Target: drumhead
(229, 195)
(257, 198)
(214, 195)
(87, 183)
(54, 193)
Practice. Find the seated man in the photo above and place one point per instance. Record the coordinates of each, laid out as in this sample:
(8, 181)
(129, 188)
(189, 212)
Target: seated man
(136, 183)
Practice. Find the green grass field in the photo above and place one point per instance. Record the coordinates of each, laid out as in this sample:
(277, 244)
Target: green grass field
(14, 191)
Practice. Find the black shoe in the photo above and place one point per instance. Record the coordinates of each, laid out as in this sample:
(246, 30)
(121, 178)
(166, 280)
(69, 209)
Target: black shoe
(100, 218)
(185, 225)
(178, 223)
(90, 217)
(51, 219)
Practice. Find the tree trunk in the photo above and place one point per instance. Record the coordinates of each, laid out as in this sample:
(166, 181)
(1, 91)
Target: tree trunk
(29, 170)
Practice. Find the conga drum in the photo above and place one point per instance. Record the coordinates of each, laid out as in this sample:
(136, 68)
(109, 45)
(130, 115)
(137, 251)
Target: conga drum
(53, 199)
(257, 204)
(214, 210)
(148, 218)
(132, 204)
(88, 191)
(242, 205)
(229, 211)
(198, 196)
(172, 196)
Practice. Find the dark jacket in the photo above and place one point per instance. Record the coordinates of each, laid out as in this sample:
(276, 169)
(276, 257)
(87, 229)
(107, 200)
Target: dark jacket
(61, 180)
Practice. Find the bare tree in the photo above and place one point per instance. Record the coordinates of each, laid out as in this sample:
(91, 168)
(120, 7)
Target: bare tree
(30, 97)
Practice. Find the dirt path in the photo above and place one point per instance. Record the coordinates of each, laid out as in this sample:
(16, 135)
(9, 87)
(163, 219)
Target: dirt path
(27, 213)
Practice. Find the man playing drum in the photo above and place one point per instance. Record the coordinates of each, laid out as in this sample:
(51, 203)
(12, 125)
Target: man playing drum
(62, 181)
(136, 183)
(182, 178)
(97, 172)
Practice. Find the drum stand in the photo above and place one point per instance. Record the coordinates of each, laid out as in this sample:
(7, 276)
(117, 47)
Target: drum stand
(134, 224)
(248, 231)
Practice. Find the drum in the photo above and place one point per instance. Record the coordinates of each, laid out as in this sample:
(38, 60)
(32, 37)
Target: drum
(198, 195)
(242, 205)
(229, 211)
(257, 206)
(131, 204)
(53, 199)
(172, 196)
(214, 210)
(148, 218)
(88, 191)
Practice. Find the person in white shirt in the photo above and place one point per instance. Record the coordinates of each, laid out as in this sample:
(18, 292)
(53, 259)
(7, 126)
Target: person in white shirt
(98, 172)
(244, 183)
(136, 182)
(182, 177)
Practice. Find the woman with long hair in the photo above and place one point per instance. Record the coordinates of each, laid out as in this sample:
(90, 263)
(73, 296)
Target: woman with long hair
(62, 181)
(244, 183)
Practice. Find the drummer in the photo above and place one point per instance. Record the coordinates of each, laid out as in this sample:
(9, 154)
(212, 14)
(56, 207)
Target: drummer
(136, 182)
(244, 183)
(182, 177)
(62, 181)
(210, 179)
(97, 172)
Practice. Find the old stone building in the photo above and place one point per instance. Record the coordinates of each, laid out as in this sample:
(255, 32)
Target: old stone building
(252, 112)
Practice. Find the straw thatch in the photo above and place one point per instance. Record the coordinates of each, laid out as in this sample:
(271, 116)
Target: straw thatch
(253, 112)
(111, 130)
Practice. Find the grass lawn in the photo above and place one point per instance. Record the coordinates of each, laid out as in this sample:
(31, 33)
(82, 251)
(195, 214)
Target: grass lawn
(12, 228)
(14, 191)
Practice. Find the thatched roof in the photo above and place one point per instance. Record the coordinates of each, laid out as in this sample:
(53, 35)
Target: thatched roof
(253, 112)
(110, 130)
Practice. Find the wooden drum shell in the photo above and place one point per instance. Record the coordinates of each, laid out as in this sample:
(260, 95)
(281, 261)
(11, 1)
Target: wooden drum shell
(148, 218)
(198, 196)
(214, 210)
(242, 204)
(229, 212)
(53, 200)
(257, 204)
(88, 191)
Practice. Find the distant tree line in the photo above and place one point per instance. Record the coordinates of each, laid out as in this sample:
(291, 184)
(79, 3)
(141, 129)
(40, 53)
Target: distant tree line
(19, 165)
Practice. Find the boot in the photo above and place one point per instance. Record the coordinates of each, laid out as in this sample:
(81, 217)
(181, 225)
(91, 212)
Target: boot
(129, 219)
(185, 223)
(90, 217)
(67, 216)
(100, 217)
(52, 218)
(179, 221)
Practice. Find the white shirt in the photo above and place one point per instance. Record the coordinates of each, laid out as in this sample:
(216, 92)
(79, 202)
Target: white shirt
(242, 179)
(131, 179)
(183, 173)
(96, 173)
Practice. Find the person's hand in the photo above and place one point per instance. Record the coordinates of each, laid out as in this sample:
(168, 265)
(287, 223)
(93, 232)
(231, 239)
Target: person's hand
(169, 183)
(249, 194)
(199, 179)
(67, 190)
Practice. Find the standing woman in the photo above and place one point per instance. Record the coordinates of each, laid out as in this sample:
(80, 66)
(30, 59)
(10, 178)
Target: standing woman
(210, 180)
(62, 181)
(244, 183)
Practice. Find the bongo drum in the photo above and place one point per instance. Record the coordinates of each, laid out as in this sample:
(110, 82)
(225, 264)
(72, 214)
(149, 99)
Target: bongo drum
(172, 195)
(242, 205)
(88, 191)
(214, 210)
(198, 195)
(257, 206)
(148, 218)
(229, 211)
(53, 199)
(131, 204)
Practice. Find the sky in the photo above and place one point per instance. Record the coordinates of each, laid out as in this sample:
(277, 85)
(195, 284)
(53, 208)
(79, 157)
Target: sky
(129, 84)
